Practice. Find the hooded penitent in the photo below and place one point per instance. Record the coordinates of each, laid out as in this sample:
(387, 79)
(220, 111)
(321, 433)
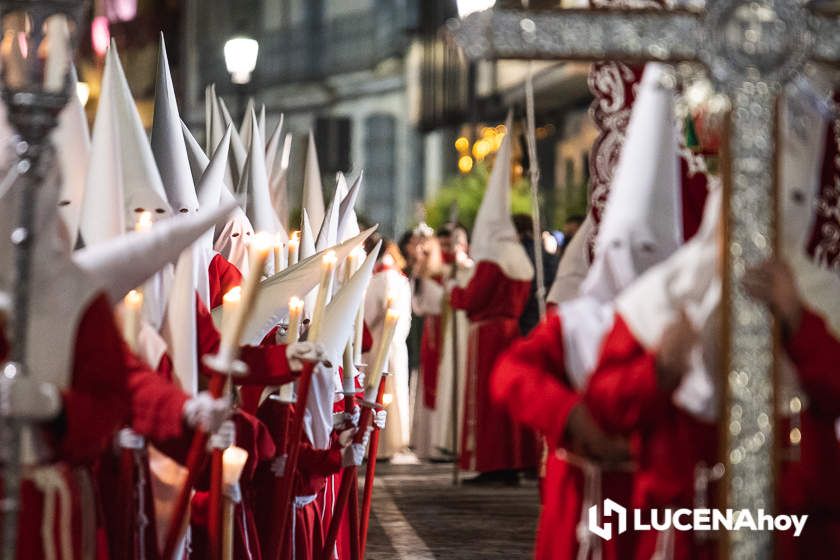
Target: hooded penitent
(122, 179)
(642, 224)
(72, 141)
(61, 292)
(313, 189)
(328, 233)
(494, 236)
(573, 265)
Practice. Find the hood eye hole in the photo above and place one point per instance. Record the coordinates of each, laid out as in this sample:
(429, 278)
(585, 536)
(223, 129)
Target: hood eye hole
(798, 197)
(139, 210)
(160, 210)
(234, 235)
(183, 210)
(64, 203)
(616, 243)
(648, 247)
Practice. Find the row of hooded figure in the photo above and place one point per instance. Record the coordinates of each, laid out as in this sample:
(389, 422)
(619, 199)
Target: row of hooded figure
(193, 371)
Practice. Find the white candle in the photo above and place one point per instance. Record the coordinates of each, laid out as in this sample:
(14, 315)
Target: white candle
(295, 317)
(132, 309)
(324, 292)
(375, 370)
(144, 221)
(359, 334)
(279, 253)
(232, 332)
(287, 392)
(293, 248)
(233, 463)
(231, 302)
(349, 267)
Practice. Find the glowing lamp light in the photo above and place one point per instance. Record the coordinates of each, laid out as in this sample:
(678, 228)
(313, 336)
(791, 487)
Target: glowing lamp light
(467, 7)
(83, 92)
(241, 58)
(481, 149)
(100, 35)
(387, 399)
(465, 164)
(462, 145)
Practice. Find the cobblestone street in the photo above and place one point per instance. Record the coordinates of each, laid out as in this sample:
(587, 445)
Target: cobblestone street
(418, 515)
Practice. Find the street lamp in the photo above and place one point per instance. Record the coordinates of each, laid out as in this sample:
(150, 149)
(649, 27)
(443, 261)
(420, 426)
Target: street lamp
(36, 55)
(241, 58)
(466, 7)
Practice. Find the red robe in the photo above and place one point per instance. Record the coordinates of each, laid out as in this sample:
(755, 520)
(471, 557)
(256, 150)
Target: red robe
(530, 380)
(668, 443)
(315, 466)
(94, 407)
(810, 484)
(222, 276)
(490, 439)
(624, 397)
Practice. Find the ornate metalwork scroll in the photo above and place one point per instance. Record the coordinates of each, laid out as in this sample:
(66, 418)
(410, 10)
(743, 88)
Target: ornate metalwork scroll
(751, 50)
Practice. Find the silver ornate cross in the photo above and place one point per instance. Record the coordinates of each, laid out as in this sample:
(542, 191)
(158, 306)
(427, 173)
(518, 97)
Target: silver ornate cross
(751, 50)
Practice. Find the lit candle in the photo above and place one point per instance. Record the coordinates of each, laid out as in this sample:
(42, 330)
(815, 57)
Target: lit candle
(233, 463)
(232, 332)
(348, 378)
(381, 354)
(295, 317)
(324, 292)
(279, 253)
(144, 221)
(133, 306)
(231, 302)
(293, 248)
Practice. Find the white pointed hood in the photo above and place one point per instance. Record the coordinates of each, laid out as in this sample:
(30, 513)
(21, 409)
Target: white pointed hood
(122, 178)
(272, 149)
(210, 185)
(689, 279)
(573, 265)
(273, 298)
(237, 146)
(307, 238)
(313, 187)
(195, 154)
(168, 144)
(348, 224)
(642, 222)
(72, 141)
(279, 183)
(261, 122)
(328, 234)
(254, 186)
(126, 262)
(61, 292)
(803, 132)
(180, 330)
(246, 126)
(494, 236)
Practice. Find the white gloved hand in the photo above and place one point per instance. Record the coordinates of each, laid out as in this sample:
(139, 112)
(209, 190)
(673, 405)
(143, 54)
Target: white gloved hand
(232, 492)
(224, 437)
(379, 419)
(26, 398)
(206, 413)
(341, 419)
(300, 352)
(278, 465)
(353, 455)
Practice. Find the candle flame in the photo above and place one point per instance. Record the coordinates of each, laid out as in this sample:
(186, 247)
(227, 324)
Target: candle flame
(134, 298)
(144, 221)
(263, 242)
(295, 304)
(233, 295)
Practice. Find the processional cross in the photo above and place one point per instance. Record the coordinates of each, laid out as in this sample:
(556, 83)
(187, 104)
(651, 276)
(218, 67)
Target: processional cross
(751, 49)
